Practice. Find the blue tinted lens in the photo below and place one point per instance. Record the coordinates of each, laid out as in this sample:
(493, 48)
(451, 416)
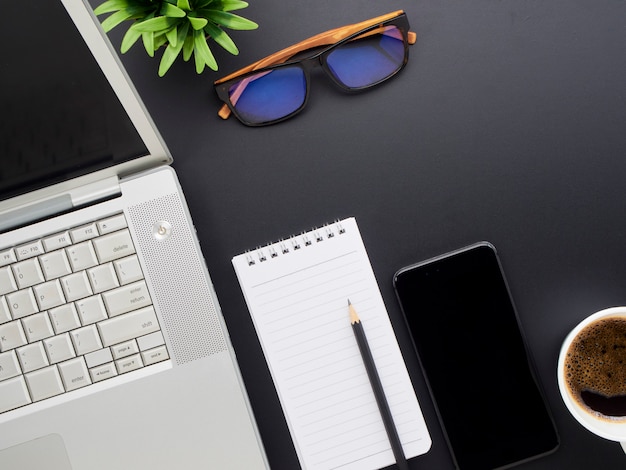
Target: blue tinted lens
(270, 95)
(368, 59)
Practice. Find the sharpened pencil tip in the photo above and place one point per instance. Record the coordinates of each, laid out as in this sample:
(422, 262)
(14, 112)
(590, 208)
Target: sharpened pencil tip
(354, 317)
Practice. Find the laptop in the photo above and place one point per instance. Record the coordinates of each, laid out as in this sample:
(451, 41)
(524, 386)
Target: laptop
(113, 350)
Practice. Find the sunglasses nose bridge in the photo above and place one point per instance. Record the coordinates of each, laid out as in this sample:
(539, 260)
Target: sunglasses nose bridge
(311, 64)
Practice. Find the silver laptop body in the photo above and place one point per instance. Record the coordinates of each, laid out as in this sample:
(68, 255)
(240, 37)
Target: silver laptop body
(122, 361)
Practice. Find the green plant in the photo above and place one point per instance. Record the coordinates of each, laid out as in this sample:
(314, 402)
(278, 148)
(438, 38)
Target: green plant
(181, 25)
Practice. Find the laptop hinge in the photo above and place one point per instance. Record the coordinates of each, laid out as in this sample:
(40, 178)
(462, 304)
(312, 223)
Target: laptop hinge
(53, 205)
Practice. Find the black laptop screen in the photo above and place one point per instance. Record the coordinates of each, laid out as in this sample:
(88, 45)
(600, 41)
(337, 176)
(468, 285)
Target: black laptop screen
(60, 116)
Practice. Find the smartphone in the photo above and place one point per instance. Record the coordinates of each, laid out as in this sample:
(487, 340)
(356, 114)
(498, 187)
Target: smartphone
(472, 351)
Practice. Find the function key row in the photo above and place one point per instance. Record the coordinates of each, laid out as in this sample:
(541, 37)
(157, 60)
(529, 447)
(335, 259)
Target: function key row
(62, 240)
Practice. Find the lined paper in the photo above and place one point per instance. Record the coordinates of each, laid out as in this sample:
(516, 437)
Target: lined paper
(297, 292)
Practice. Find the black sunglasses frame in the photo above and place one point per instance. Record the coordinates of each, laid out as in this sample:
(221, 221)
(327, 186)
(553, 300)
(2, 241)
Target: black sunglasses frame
(318, 59)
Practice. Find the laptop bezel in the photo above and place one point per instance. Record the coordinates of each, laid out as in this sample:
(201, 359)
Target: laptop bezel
(101, 48)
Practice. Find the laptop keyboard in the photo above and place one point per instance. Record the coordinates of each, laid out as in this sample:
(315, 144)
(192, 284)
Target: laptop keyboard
(74, 310)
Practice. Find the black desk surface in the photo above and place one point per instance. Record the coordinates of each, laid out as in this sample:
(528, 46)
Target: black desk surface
(508, 125)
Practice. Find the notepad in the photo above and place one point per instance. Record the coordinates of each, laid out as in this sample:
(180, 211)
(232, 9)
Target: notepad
(297, 291)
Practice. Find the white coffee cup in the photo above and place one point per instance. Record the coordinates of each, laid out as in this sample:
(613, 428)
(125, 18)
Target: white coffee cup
(614, 430)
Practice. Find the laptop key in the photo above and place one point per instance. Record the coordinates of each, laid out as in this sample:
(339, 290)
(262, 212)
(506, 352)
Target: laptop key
(76, 286)
(151, 341)
(55, 264)
(82, 256)
(127, 298)
(29, 250)
(128, 326)
(99, 357)
(83, 233)
(57, 241)
(114, 246)
(44, 383)
(127, 348)
(11, 336)
(102, 278)
(37, 327)
(59, 348)
(49, 295)
(5, 313)
(7, 281)
(28, 273)
(9, 367)
(129, 363)
(91, 309)
(74, 373)
(102, 372)
(22, 303)
(13, 394)
(64, 318)
(7, 257)
(32, 357)
(112, 224)
(152, 356)
(86, 339)
(128, 269)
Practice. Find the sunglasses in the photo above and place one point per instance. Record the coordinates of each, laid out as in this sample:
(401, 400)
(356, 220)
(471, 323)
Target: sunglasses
(355, 57)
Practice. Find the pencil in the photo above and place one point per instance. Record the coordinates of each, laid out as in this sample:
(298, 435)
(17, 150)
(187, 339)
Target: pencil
(381, 400)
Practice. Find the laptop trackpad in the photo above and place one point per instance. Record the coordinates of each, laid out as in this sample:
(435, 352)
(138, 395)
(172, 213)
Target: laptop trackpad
(45, 452)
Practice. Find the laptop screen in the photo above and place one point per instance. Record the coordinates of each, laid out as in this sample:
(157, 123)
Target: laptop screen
(60, 116)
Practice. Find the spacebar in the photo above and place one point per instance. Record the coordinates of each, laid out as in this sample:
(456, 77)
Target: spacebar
(130, 325)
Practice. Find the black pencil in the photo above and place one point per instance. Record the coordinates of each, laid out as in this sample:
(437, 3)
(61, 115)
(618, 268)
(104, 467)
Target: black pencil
(379, 393)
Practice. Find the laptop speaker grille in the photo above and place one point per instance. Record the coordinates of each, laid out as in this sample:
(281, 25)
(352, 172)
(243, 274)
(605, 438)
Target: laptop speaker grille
(176, 272)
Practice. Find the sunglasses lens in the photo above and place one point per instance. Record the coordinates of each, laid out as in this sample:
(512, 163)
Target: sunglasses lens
(270, 95)
(368, 59)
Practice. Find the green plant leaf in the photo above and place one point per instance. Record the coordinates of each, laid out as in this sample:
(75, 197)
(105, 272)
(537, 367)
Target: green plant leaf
(159, 40)
(220, 37)
(146, 37)
(200, 64)
(172, 11)
(160, 23)
(230, 20)
(129, 39)
(173, 50)
(202, 53)
(183, 33)
(115, 19)
(188, 47)
(111, 6)
(172, 36)
(148, 42)
(183, 5)
(198, 23)
(231, 5)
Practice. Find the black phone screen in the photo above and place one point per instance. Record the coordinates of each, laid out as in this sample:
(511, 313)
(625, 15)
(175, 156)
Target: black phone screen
(473, 355)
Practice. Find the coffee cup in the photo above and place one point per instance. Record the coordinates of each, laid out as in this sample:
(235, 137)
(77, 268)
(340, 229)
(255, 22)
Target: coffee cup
(592, 373)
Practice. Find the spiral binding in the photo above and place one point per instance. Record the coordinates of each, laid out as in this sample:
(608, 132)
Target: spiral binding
(294, 243)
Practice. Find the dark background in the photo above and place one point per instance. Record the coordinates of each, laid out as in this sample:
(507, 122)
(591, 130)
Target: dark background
(508, 125)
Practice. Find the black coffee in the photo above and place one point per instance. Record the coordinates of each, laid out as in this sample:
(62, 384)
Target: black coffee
(595, 368)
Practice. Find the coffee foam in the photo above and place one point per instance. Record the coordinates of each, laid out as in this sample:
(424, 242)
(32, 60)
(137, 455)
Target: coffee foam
(596, 362)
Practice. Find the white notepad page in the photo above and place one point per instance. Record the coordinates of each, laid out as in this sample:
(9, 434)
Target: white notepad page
(297, 291)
